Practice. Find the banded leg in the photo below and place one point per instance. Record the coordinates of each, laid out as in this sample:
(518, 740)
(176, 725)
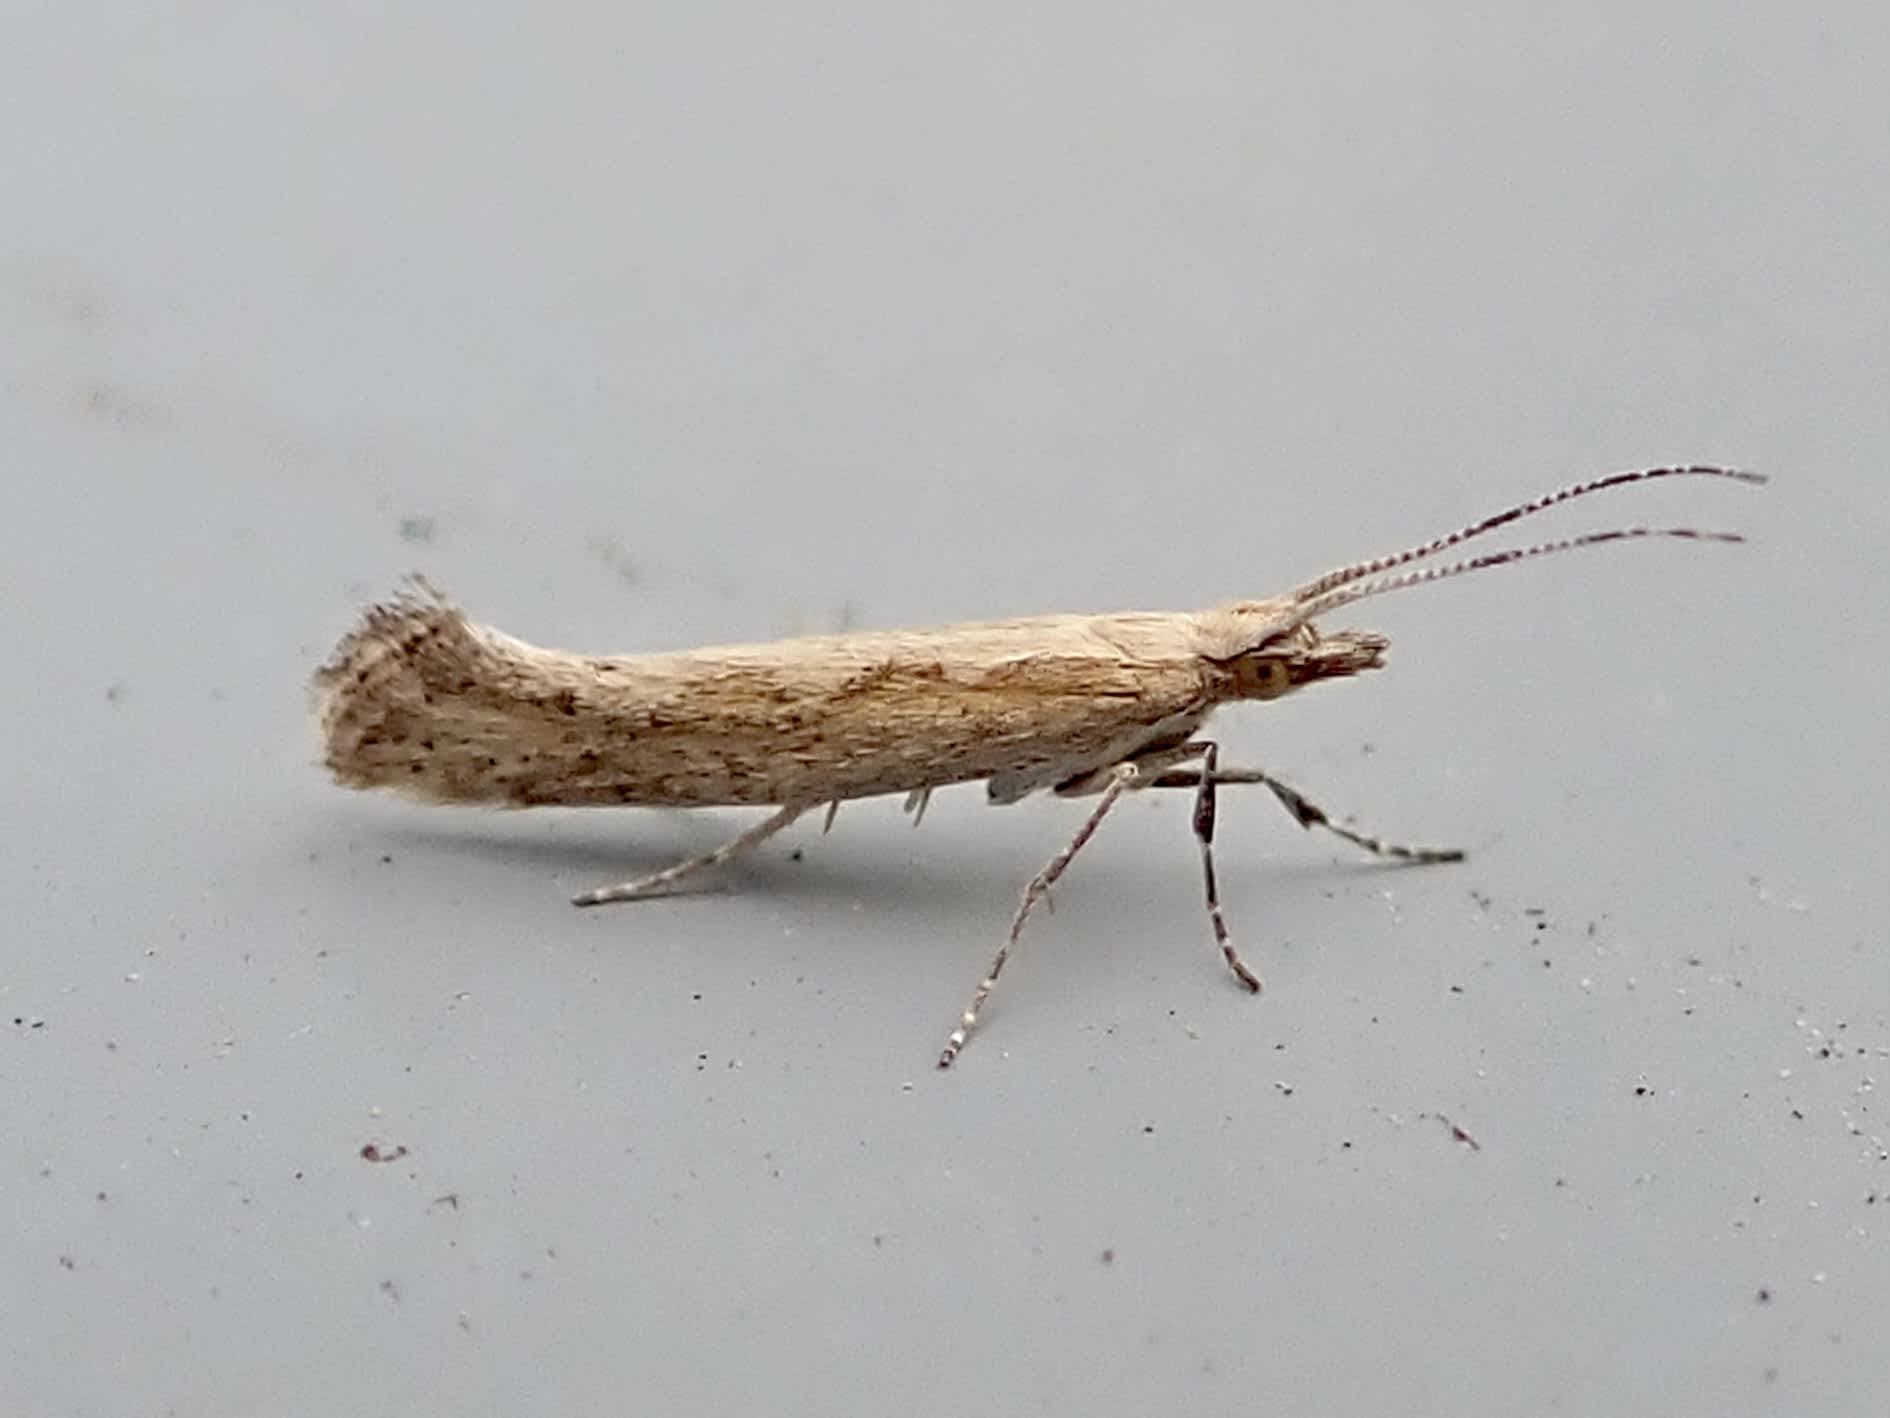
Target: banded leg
(1122, 777)
(1204, 806)
(658, 882)
(1305, 812)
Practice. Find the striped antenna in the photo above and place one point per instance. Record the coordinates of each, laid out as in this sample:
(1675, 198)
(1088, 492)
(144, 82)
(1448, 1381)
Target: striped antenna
(1360, 590)
(1317, 588)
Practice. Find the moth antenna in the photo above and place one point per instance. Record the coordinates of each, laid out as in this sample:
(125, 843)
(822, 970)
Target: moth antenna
(1344, 575)
(1357, 591)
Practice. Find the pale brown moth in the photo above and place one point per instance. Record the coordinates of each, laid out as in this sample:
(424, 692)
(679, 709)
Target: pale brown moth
(422, 700)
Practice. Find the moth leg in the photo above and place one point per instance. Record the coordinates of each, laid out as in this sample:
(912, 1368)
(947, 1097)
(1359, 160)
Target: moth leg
(1151, 763)
(1121, 778)
(1205, 801)
(658, 882)
(1158, 764)
(1306, 813)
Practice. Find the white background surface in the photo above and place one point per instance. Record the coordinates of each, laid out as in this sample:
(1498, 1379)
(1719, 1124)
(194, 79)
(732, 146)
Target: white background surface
(644, 327)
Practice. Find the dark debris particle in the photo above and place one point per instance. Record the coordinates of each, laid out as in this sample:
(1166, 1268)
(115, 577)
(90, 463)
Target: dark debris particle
(374, 1152)
(1109, 1255)
(1764, 1297)
(1460, 1134)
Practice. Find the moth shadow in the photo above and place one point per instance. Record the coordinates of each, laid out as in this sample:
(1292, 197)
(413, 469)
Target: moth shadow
(564, 849)
(569, 854)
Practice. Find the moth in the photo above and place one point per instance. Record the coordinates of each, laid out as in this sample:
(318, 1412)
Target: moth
(423, 701)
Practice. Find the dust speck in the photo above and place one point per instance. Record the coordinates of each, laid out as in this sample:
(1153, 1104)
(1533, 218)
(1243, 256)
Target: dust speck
(615, 557)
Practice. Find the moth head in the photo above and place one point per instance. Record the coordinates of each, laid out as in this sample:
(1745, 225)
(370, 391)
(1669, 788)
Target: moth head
(1263, 652)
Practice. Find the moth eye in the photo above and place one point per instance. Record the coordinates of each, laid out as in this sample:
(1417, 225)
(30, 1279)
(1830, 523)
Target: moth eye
(1261, 677)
